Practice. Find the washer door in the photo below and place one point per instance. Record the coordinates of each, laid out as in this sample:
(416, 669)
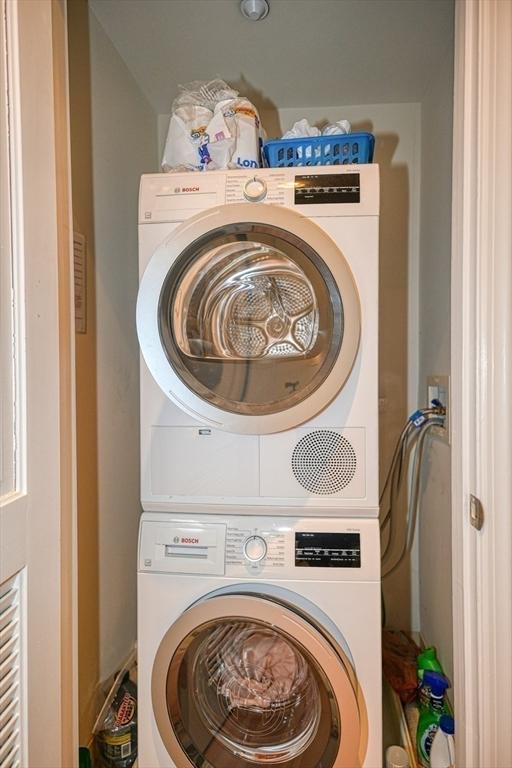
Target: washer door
(248, 318)
(241, 681)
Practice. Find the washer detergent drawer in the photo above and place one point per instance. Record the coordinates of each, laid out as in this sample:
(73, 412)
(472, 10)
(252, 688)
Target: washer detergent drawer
(175, 547)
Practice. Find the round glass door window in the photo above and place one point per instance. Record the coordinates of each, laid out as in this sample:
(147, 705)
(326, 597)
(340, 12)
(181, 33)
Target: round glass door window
(251, 318)
(241, 694)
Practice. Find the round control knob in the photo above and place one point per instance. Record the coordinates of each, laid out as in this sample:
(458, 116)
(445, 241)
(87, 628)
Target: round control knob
(255, 548)
(255, 190)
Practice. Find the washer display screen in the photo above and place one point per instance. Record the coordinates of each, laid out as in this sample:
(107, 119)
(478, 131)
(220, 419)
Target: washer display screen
(328, 550)
(327, 188)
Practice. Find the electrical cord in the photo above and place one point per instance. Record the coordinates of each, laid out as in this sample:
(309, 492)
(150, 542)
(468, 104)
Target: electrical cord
(398, 447)
(434, 418)
(423, 420)
(396, 486)
(401, 445)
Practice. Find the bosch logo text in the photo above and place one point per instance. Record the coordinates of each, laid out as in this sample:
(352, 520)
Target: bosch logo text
(190, 189)
(190, 541)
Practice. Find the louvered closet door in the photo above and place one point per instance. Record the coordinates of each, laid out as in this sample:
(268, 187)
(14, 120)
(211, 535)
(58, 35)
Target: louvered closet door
(33, 649)
(10, 672)
(12, 506)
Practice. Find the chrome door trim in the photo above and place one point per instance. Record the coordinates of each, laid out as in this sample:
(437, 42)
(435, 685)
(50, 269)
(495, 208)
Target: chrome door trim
(148, 325)
(172, 290)
(330, 658)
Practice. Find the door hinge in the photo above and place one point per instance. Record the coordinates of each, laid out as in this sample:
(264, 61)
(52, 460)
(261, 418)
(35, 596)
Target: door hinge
(476, 512)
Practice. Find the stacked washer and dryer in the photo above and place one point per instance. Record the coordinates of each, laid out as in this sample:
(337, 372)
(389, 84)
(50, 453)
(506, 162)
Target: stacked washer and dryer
(259, 556)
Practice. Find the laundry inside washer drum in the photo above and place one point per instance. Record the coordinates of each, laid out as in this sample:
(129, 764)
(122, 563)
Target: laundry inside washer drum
(256, 692)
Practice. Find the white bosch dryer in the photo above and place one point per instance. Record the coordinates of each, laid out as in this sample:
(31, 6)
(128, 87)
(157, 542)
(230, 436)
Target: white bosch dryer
(259, 642)
(257, 318)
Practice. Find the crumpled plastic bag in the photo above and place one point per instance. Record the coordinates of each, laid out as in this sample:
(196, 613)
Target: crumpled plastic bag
(341, 126)
(212, 127)
(302, 129)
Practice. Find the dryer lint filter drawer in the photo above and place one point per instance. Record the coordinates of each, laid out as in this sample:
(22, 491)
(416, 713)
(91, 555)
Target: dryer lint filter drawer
(320, 463)
(199, 461)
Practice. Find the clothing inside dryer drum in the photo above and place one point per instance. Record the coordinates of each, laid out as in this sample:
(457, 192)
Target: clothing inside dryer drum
(251, 319)
(241, 694)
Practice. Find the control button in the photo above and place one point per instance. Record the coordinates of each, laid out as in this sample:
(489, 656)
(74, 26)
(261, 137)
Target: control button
(255, 548)
(255, 190)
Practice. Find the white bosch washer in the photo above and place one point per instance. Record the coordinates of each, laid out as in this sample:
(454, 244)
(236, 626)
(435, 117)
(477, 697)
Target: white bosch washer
(259, 642)
(257, 319)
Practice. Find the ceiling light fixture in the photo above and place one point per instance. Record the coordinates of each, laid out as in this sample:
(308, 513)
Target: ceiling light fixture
(254, 9)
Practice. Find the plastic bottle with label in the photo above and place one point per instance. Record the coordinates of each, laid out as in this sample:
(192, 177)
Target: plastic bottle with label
(428, 724)
(442, 753)
(426, 661)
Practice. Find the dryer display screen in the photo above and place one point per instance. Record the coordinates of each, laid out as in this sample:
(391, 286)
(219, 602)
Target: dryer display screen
(328, 550)
(327, 188)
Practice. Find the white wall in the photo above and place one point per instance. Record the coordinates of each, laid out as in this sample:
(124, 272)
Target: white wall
(123, 147)
(434, 349)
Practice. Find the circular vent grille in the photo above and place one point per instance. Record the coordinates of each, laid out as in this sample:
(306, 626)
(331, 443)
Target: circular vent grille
(324, 462)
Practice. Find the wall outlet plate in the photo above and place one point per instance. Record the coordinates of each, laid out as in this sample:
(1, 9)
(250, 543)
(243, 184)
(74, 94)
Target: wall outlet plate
(438, 388)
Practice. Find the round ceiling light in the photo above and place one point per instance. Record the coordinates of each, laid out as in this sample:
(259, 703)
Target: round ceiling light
(254, 9)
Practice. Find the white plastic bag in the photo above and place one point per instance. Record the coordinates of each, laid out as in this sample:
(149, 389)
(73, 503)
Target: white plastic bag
(197, 139)
(300, 129)
(203, 94)
(341, 126)
(243, 123)
(211, 128)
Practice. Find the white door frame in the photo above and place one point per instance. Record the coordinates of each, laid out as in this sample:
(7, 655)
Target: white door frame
(482, 381)
(481, 377)
(38, 508)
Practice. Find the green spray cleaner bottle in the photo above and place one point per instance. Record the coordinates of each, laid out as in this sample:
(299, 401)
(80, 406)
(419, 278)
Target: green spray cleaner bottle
(430, 716)
(427, 660)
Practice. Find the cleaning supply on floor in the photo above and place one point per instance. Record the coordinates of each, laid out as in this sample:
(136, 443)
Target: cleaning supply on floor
(115, 731)
(426, 660)
(430, 716)
(396, 757)
(442, 754)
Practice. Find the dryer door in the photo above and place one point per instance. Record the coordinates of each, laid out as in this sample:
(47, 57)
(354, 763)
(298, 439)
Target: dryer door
(248, 318)
(241, 681)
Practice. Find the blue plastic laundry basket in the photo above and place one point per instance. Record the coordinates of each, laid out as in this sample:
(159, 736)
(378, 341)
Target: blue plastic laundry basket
(337, 149)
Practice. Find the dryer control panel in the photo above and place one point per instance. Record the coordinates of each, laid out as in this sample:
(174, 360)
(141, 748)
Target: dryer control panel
(315, 191)
(261, 547)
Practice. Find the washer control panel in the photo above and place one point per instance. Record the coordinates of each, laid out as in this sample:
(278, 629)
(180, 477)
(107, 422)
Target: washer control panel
(255, 190)
(327, 549)
(266, 547)
(255, 548)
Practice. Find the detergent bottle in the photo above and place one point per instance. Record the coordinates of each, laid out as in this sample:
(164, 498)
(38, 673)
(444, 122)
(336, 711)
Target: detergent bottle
(442, 754)
(428, 724)
(427, 660)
